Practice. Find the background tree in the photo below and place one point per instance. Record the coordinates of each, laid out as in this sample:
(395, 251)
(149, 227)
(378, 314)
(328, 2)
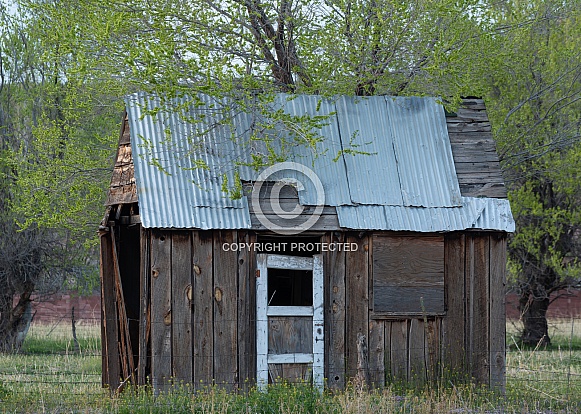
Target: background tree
(55, 149)
(534, 102)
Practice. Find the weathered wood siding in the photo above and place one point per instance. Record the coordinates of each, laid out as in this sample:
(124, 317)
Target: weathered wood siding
(199, 310)
(122, 189)
(474, 151)
(200, 304)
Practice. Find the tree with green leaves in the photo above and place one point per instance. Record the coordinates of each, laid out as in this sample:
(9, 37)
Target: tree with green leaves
(55, 150)
(534, 102)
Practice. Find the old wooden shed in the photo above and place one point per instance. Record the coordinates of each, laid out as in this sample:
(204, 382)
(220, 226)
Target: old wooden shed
(407, 248)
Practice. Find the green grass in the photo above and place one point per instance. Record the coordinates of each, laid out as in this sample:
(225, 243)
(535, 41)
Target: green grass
(49, 377)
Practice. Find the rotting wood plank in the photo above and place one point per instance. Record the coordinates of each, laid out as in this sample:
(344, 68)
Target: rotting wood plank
(334, 274)
(498, 311)
(481, 339)
(454, 324)
(225, 311)
(181, 308)
(109, 321)
(246, 313)
(203, 317)
(377, 353)
(356, 269)
(144, 311)
(417, 362)
(399, 350)
(161, 357)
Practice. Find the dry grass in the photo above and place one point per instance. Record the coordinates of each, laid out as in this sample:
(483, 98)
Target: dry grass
(49, 377)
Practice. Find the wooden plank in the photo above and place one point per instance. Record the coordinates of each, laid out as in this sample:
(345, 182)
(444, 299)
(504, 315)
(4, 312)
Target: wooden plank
(289, 311)
(276, 261)
(396, 259)
(181, 308)
(203, 317)
(492, 190)
(261, 322)
(225, 311)
(290, 335)
(399, 350)
(417, 361)
(318, 328)
(377, 352)
(387, 351)
(356, 277)
(454, 127)
(481, 339)
(432, 348)
(109, 309)
(144, 305)
(324, 223)
(293, 358)
(334, 274)
(408, 300)
(246, 313)
(454, 323)
(161, 357)
(498, 311)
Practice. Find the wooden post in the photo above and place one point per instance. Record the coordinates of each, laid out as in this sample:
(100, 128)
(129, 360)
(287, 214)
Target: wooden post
(75, 341)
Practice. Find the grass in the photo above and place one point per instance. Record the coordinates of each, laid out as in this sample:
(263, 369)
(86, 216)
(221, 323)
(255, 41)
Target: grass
(48, 376)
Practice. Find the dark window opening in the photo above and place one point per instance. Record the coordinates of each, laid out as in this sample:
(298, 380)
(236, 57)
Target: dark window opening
(288, 287)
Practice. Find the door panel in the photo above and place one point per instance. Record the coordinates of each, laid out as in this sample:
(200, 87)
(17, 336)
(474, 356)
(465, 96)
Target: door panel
(289, 339)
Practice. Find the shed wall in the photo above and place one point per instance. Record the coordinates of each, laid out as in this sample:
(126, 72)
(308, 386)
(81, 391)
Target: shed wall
(197, 313)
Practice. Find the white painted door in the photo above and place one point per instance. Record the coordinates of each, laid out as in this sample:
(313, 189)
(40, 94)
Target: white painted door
(279, 308)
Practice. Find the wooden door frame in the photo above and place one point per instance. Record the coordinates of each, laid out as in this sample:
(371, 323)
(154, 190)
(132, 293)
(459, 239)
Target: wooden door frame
(263, 311)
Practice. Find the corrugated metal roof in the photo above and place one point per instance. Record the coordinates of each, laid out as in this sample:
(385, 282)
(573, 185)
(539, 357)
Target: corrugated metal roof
(171, 191)
(478, 213)
(423, 152)
(373, 178)
(407, 180)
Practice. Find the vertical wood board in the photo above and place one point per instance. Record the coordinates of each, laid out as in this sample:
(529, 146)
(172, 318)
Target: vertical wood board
(203, 316)
(498, 311)
(357, 290)
(181, 271)
(161, 316)
(225, 311)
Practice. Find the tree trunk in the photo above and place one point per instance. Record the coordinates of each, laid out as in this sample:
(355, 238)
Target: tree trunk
(15, 321)
(533, 311)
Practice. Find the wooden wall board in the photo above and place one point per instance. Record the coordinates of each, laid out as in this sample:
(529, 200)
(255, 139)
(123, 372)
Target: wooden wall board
(181, 308)
(225, 311)
(498, 311)
(203, 313)
(376, 347)
(335, 305)
(161, 357)
(481, 317)
(357, 298)
(399, 350)
(246, 312)
(454, 323)
(417, 362)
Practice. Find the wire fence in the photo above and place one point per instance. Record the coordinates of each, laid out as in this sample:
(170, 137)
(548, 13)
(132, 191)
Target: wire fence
(49, 366)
